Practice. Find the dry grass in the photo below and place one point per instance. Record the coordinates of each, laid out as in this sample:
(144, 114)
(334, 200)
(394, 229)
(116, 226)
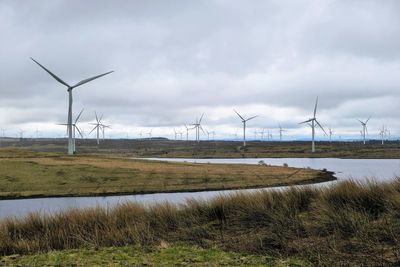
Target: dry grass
(29, 174)
(349, 224)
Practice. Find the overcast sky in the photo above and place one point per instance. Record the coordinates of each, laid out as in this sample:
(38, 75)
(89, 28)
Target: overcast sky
(174, 60)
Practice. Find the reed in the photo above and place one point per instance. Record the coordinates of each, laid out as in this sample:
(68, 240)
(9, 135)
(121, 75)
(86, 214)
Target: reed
(350, 223)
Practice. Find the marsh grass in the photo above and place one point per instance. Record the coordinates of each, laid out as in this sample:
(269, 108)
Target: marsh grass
(25, 173)
(346, 224)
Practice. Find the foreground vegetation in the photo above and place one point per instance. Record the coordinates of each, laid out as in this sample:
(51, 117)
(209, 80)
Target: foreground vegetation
(217, 149)
(154, 256)
(347, 224)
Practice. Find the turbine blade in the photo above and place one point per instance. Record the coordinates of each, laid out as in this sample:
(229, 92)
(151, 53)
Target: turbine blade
(90, 79)
(52, 74)
(239, 115)
(77, 118)
(251, 118)
(201, 118)
(95, 127)
(320, 126)
(367, 120)
(97, 119)
(315, 108)
(79, 131)
(305, 121)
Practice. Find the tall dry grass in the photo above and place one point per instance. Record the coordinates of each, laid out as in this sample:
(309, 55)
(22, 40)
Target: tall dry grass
(347, 224)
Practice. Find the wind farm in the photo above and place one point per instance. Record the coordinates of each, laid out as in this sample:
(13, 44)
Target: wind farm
(230, 133)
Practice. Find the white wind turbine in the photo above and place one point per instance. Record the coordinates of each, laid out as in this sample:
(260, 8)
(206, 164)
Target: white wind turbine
(330, 133)
(313, 124)
(364, 130)
(149, 133)
(97, 127)
(75, 128)
(70, 88)
(281, 130)
(244, 125)
(187, 131)
(103, 128)
(198, 127)
(384, 134)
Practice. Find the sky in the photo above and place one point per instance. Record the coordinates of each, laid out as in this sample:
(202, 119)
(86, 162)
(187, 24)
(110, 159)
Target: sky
(174, 60)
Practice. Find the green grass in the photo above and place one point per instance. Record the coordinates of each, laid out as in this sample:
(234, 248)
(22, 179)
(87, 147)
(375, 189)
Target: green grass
(349, 224)
(30, 174)
(154, 256)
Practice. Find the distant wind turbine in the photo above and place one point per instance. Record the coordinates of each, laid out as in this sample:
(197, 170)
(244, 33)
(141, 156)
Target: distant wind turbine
(313, 124)
(364, 128)
(149, 133)
(70, 88)
(75, 128)
(97, 127)
(187, 131)
(330, 134)
(244, 121)
(198, 127)
(281, 130)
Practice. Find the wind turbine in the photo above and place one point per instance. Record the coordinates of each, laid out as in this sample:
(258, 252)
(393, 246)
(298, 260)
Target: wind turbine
(75, 127)
(281, 130)
(244, 125)
(330, 134)
(384, 133)
(262, 132)
(21, 134)
(103, 127)
(364, 128)
(313, 124)
(97, 127)
(187, 131)
(208, 135)
(70, 88)
(198, 127)
(149, 133)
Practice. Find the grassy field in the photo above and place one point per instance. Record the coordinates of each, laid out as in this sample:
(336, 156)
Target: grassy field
(25, 173)
(218, 149)
(348, 224)
(149, 256)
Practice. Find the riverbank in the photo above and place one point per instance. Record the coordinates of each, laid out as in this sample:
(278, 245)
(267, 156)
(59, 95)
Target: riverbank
(346, 224)
(28, 174)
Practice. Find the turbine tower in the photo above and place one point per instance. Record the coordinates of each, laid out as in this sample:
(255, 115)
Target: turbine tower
(281, 130)
(187, 131)
(198, 127)
(149, 133)
(244, 125)
(75, 128)
(314, 123)
(70, 88)
(330, 134)
(384, 134)
(97, 127)
(364, 128)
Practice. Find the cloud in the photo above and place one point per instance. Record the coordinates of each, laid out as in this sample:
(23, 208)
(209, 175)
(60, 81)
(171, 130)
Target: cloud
(174, 60)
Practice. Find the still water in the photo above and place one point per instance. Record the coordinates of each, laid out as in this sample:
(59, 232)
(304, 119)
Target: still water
(356, 169)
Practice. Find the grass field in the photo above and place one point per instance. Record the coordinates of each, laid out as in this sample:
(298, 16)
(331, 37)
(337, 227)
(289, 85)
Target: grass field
(149, 256)
(348, 224)
(25, 173)
(218, 149)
